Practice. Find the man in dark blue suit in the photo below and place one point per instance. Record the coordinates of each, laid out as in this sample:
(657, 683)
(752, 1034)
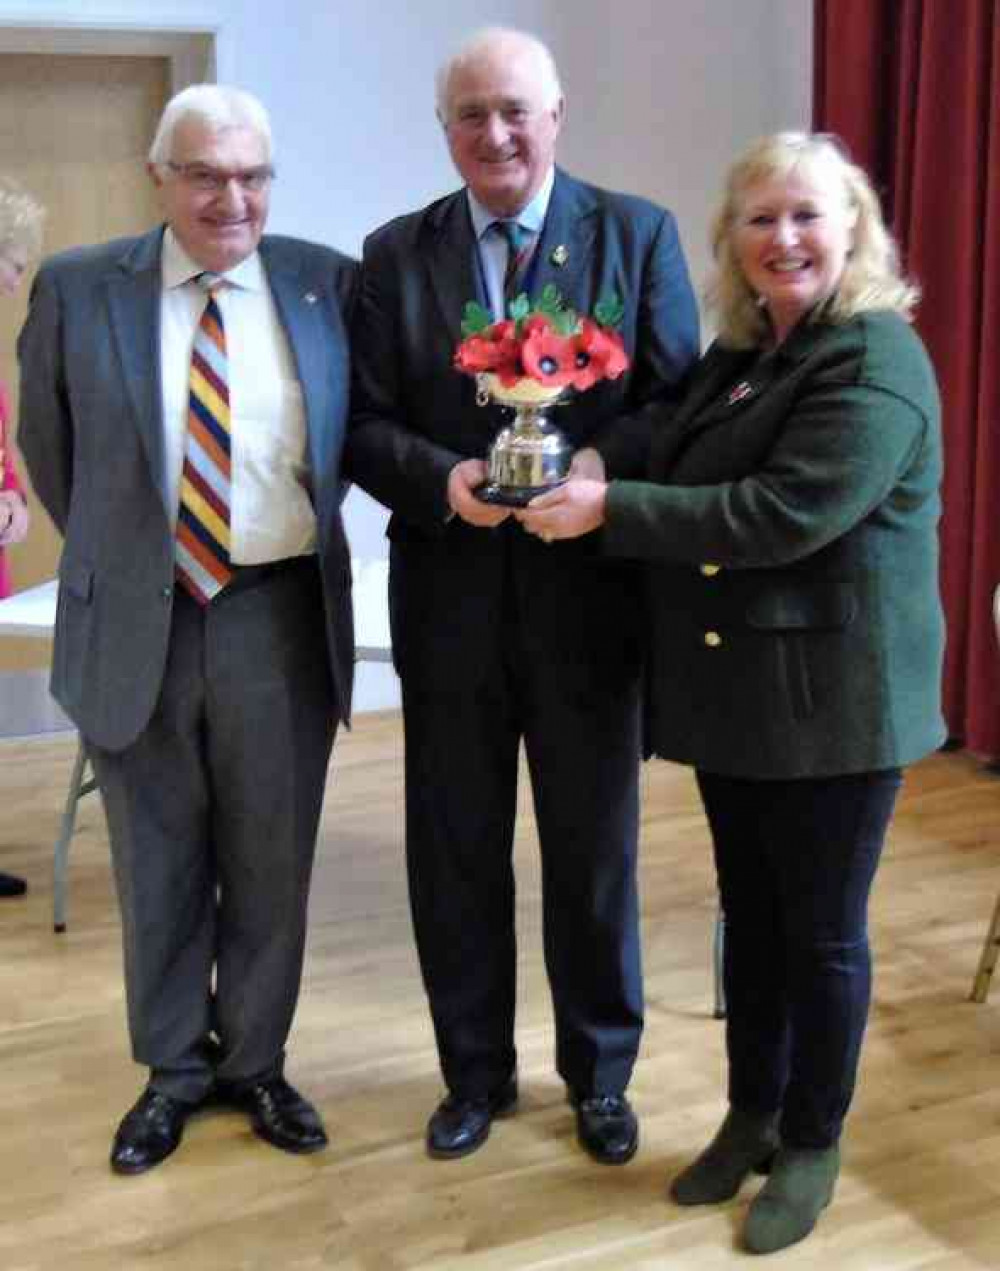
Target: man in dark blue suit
(496, 636)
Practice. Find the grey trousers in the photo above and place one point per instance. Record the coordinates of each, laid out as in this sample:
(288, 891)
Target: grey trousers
(213, 813)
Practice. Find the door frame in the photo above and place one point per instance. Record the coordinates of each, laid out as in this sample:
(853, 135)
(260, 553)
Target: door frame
(193, 50)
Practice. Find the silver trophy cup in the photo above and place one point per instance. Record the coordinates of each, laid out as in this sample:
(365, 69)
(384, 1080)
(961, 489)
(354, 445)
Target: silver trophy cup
(530, 455)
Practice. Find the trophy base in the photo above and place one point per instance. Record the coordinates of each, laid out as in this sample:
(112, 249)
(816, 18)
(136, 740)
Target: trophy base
(511, 496)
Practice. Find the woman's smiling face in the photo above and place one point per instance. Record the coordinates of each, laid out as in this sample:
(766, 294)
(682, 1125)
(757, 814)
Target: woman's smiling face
(791, 239)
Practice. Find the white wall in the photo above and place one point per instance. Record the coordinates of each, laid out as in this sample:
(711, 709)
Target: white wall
(660, 93)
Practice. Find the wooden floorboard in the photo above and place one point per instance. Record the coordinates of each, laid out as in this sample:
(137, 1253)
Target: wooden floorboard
(921, 1181)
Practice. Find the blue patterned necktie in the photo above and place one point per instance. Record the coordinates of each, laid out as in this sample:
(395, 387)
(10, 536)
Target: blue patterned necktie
(519, 243)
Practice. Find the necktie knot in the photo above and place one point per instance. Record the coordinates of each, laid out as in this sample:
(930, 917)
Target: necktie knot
(210, 283)
(514, 234)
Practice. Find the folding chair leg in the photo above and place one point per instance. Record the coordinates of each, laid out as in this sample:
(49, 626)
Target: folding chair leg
(718, 953)
(78, 787)
(988, 959)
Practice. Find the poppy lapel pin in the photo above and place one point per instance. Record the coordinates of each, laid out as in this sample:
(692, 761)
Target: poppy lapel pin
(740, 392)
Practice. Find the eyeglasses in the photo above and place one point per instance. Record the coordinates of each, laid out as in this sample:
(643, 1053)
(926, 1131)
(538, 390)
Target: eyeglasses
(206, 180)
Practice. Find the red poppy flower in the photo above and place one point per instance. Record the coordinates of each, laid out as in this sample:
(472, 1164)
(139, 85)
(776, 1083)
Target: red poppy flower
(548, 357)
(598, 354)
(537, 322)
(475, 354)
(495, 349)
(508, 353)
(510, 371)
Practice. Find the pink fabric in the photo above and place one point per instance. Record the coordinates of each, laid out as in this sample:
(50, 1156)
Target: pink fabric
(8, 481)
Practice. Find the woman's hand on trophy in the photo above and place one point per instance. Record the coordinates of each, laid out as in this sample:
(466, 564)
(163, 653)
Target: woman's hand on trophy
(13, 518)
(588, 462)
(576, 507)
(462, 481)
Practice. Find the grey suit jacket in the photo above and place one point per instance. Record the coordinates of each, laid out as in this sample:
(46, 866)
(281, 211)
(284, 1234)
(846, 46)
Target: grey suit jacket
(91, 433)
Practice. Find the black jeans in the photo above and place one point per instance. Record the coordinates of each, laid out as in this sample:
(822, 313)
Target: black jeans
(796, 860)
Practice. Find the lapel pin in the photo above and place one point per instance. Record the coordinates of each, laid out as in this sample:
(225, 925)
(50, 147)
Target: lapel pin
(560, 255)
(310, 297)
(738, 393)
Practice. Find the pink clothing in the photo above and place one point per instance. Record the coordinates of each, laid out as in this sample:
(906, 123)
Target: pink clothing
(8, 480)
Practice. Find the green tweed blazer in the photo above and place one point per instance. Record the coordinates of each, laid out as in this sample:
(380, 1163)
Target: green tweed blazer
(789, 524)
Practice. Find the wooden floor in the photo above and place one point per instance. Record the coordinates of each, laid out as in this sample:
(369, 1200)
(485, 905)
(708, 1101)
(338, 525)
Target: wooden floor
(921, 1181)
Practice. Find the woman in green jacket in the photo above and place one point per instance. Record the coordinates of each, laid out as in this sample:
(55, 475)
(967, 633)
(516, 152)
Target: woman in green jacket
(789, 522)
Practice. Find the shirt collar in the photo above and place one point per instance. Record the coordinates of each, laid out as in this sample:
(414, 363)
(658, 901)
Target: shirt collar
(531, 217)
(178, 267)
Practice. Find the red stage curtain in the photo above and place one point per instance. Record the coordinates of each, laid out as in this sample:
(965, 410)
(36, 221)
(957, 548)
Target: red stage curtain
(913, 88)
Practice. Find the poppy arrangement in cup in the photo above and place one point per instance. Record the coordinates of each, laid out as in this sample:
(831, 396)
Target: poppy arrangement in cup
(543, 343)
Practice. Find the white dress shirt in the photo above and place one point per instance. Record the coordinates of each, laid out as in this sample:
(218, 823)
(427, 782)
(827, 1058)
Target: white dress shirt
(271, 509)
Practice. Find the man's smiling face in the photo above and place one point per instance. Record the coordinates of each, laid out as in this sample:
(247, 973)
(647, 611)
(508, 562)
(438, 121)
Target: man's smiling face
(217, 227)
(502, 124)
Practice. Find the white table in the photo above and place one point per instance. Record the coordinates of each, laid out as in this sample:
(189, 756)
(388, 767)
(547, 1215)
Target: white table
(29, 613)
(372, 640)
(33, 613)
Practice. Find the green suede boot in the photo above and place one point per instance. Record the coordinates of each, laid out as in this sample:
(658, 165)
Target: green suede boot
(788, 1205)
(745, 1141)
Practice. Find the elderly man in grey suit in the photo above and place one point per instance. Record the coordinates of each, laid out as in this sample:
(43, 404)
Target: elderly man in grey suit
(498, 637)
(183, 397)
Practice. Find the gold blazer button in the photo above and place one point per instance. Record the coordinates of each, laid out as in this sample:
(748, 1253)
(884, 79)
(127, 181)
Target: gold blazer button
(710, 570)
(713, 639)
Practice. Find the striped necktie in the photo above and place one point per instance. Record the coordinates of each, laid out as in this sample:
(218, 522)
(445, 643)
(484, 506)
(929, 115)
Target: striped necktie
(519, 243)
(202, 547)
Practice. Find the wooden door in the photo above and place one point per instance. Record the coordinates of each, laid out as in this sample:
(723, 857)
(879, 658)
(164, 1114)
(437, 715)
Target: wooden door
(74, 129)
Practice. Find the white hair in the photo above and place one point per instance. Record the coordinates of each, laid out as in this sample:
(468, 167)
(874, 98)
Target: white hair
(499, 40)
(216, 105)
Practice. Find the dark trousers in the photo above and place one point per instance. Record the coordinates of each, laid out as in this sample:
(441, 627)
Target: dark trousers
(796, 861)
(581, 737)
(212, 814)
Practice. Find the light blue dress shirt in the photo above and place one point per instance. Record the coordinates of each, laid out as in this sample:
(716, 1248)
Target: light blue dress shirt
(492, 246)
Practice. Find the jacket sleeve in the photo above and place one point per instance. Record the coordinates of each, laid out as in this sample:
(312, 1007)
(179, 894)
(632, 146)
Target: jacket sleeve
(402, 469)
(849, 444)
(45, 434)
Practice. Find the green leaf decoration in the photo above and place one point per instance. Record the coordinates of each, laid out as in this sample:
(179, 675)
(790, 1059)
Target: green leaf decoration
(550, 302)
(520, 307)
(475, 319)
(609, 310)
(564, 321)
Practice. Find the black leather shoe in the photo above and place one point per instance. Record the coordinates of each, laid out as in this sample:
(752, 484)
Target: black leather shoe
(459, 1126)
(606, 1127)
(279, 1115)
(10, 885)
(149, 1132)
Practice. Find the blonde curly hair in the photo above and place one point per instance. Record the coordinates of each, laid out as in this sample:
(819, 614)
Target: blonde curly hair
(871, 277)
(21, 218)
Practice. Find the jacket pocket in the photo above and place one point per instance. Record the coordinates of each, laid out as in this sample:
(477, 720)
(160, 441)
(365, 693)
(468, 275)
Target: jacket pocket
(819, 607)
(78, 580)
(795, 618)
